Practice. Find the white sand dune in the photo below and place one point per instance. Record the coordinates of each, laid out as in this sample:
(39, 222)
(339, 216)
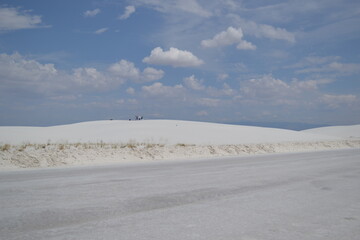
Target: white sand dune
(155, 131)
(350, 132)
(100, 142)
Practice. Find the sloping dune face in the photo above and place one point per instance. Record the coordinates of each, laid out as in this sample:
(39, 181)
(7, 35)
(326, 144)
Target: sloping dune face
(349, 132)
(102, 142)
(158, 131)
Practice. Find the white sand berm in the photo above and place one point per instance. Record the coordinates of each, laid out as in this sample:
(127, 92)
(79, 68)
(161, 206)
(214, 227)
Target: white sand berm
(100, 142)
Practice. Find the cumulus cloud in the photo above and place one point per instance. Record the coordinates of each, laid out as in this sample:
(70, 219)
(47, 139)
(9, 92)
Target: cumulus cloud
(90, 77)
(18, 72)
(14, 19)
(91, 13)
(173, 57)
(127, 70)
(159, 90)
(27, 75)
(226, 90)
(271, 91)
(127, 13)
(229, 37)
(101, 30)
(245, 45)
(266, 88)
(151, 74)
(124, 69)
(193, 83)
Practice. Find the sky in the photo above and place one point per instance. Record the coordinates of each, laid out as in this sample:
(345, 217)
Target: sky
(222, 61)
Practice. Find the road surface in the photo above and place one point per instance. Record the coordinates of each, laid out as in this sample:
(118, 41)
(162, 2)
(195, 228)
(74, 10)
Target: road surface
(281, 196)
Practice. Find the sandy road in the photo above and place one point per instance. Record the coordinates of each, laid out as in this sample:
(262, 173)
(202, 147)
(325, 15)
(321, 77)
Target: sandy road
(282, 196)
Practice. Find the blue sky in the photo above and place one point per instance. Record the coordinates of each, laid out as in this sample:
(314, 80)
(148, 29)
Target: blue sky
(206, 60)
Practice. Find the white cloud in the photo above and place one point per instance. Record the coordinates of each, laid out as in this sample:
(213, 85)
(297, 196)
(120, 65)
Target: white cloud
(208, 102)
(128, 101)
(91, 13)
(127, 70)
(192, 6)
(229, 37)
(240, 67)
(226, 90)
(173, 6)
(263, 30)
(223, 76)
(120, 101)
(132, 101)
(152, 74)
(336, 67)
(311, 84)
(315, 60)
(202, 113)
(66, 98)
(22, 74)
(124, 69)
(90, 77)
(130, 91)
(325, 65)
(159, 90)
(128, 11)
(245, 45)
(18, 72)
(193, 83)
(14, 19)
(266, 88)
(344, 67)
(174, 57)
(335, 101)
(271, 91)
(267, 31)
(312, 61)
(101, 30)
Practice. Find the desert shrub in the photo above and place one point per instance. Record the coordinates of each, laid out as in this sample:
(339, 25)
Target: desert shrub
(131, 145)
(23, 147)
(181, 145)
(150, 145)
(100, 144)
(5, 147)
